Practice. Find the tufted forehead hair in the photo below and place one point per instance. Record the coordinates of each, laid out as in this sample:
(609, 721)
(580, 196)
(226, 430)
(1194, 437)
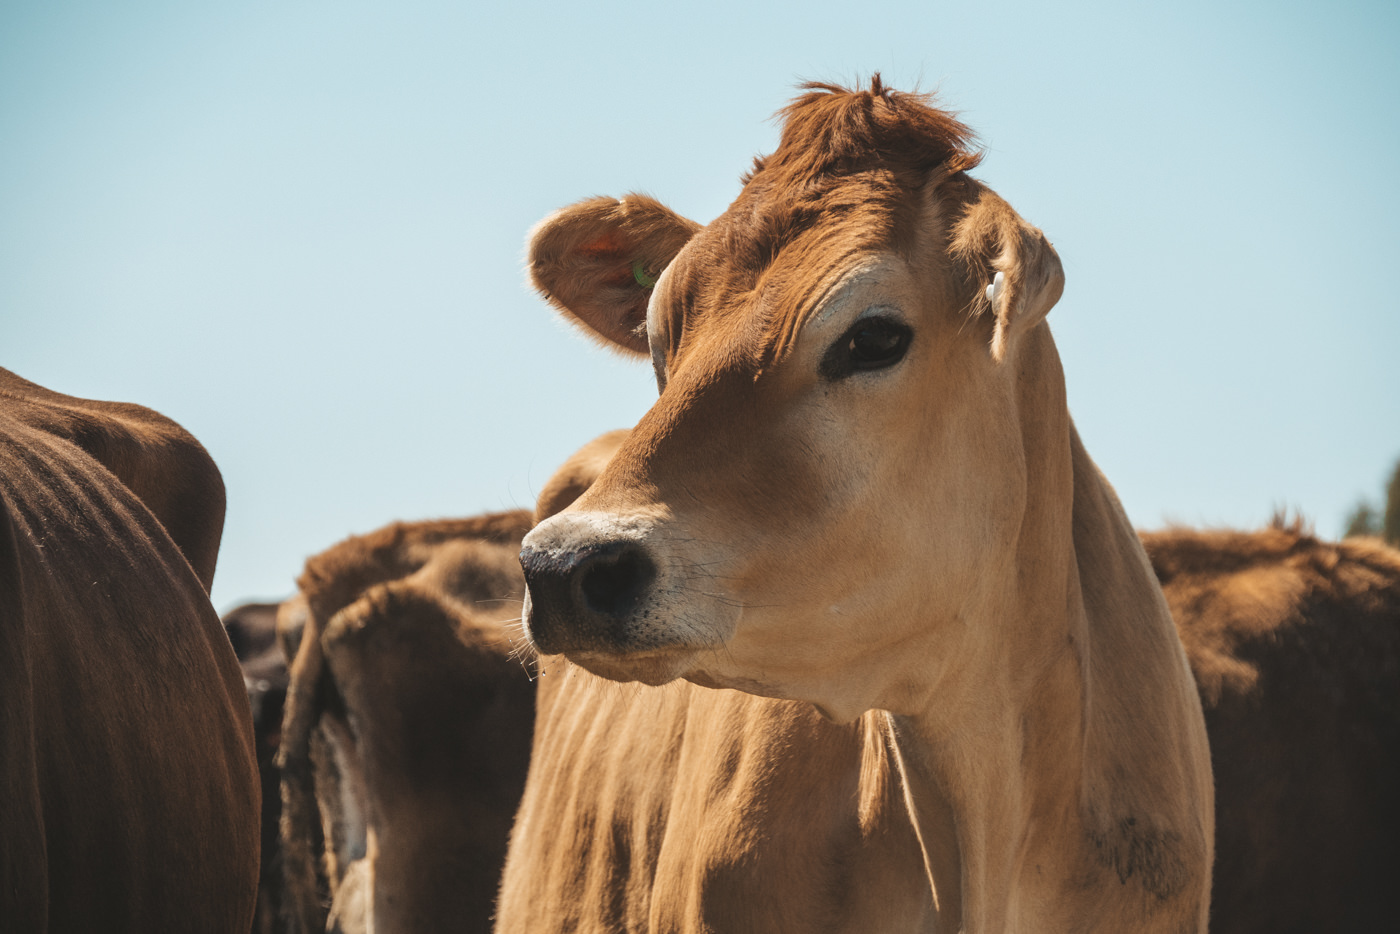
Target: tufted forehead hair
(834, 131)
(842, 181)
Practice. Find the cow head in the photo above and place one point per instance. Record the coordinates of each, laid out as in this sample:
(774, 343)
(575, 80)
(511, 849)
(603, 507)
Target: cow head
(834, 478)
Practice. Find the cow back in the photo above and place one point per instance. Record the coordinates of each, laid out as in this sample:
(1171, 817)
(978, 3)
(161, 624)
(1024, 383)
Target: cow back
(153, 457)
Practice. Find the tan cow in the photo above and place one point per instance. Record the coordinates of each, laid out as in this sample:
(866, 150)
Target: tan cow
(1295, 646)
(408, 727)
(128, 787)
(854, 374)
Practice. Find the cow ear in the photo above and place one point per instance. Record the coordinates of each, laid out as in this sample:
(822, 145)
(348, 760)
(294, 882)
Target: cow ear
(1015, 269)
(597, 261)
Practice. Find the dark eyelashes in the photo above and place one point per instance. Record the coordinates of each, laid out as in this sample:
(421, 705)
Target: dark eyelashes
(872, 343)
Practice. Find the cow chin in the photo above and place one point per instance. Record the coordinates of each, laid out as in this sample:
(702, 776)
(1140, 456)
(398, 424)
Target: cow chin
(651, 668)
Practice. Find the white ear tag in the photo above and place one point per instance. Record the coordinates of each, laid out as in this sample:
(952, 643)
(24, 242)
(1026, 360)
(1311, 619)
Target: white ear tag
(994, 290)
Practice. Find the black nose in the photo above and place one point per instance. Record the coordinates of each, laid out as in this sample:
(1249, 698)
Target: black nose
(582, 598)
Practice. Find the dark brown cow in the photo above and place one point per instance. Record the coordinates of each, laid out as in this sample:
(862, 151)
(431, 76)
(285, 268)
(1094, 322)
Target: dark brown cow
(128, 787)
(1295, 644)
(252, 628)
(408, 727)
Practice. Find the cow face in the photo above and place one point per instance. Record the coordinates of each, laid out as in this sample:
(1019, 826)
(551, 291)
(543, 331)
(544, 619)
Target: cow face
(835, 468)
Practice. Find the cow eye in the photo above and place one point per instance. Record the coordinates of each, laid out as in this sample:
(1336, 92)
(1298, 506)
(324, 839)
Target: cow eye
(871, 344)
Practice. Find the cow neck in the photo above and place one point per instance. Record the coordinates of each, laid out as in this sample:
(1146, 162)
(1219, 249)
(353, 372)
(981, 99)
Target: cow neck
(1063, 788)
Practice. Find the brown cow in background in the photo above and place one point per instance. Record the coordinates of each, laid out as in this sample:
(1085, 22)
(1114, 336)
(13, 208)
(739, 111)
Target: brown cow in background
(128, 787)
(252, 628)
(408, 725)
(1295, 644)
(266, 634)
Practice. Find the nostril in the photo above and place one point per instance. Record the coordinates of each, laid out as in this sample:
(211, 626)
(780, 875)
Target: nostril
(613, 580)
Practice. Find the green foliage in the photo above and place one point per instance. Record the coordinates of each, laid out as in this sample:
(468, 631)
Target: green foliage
(1366, 519)
(1390, 528)
(1362, 521)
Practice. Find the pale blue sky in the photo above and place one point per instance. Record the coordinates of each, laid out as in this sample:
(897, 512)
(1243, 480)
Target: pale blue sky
(297, 228)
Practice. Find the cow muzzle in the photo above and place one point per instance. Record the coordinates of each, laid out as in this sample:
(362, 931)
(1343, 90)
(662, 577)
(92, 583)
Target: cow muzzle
(623, 596)
(586, 597)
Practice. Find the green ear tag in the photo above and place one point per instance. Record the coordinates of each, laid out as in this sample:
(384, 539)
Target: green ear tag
(640, 274)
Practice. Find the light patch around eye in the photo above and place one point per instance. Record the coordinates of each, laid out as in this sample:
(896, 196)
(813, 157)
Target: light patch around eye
(844, 295)
(854, 293)
(880, 310)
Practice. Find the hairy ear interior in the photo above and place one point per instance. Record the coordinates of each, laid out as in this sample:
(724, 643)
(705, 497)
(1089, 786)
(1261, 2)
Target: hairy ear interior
(598, 259)
(1012, 264)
